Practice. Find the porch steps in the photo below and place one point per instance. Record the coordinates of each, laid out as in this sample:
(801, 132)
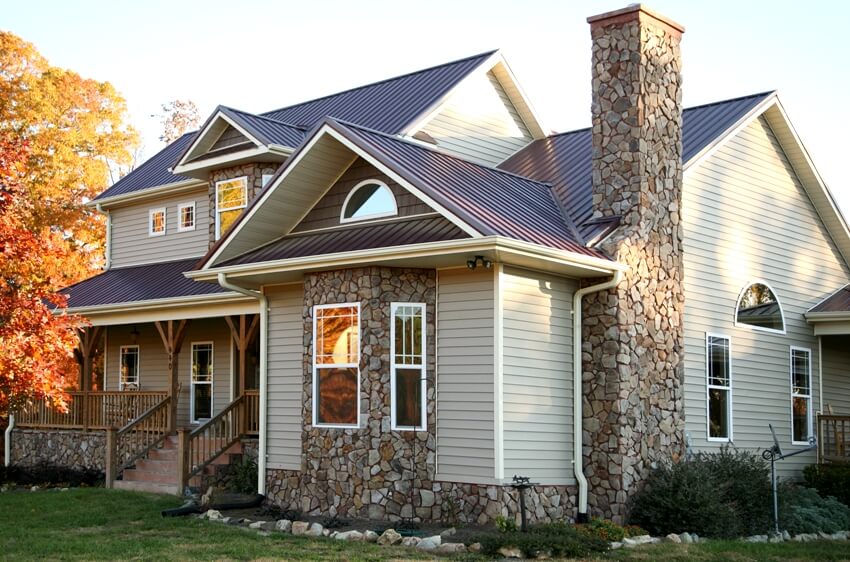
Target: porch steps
(158, 472)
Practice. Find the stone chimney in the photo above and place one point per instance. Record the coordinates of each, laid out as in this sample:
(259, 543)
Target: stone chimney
(633, 339)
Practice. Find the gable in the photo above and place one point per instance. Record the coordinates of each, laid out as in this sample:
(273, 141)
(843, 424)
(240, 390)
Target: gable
(229, 138)
(327, 211)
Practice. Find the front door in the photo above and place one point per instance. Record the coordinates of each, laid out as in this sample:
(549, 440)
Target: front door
(202, 381)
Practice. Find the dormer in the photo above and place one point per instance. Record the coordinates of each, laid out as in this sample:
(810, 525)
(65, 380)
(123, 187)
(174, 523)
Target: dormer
(231, 137)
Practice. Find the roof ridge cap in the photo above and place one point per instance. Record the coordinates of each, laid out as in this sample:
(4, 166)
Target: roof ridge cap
(265, 118)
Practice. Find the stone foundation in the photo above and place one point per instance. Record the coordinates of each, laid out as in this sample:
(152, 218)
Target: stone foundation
(66, 448)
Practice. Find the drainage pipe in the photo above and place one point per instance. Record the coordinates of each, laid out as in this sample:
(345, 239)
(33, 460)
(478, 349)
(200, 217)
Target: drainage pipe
(7, 442)
(578, 460)
(264, 348)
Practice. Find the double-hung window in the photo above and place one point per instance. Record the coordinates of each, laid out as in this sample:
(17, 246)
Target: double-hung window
(407, 364)
(156, 222)
(719, 388)
(231, 196)
(129, 364)
(186, 217)
(336, 365)
(801, 395)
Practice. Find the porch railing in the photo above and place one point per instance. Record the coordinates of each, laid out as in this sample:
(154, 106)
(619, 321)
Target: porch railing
(252, 412)
(90, 410)
(833, 437)
(128, 444)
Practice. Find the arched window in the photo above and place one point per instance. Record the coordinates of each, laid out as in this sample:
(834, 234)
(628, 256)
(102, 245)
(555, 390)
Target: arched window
(370, 199)
(759, 307)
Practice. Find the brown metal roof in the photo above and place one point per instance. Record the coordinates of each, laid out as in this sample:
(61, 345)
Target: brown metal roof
(138, 283)
(839, 301)
(349, 239)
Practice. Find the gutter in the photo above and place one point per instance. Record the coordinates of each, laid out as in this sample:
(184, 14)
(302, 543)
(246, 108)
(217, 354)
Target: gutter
(108, 252)
(264, 347)
(578, 417)
(7, 443)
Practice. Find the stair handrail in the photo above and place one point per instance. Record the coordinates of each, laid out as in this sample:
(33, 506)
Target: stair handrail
(138, 436)
(204, 444)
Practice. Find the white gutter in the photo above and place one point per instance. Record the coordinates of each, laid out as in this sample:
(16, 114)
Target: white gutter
(7, 443)
(264, 348)
(108, 252)
(578, 460)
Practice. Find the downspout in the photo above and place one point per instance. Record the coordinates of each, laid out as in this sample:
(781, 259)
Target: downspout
(264, 344)
(578, 417)
(7, 442)
(108, 252)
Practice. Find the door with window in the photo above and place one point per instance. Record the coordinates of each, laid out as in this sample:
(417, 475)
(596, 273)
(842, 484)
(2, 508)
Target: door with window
(201, 395)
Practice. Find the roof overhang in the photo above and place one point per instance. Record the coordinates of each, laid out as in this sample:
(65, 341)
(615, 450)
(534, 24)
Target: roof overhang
(435, 255)
(150, 193)
(829, 323)
(180, 308)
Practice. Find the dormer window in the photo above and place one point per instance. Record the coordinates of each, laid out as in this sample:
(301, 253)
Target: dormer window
(370, 199)
(156, 222)
(231, 196)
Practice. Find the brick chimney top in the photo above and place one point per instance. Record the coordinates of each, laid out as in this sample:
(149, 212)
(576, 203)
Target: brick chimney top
(634, 12)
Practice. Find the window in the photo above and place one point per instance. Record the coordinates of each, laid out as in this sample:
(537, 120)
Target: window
(370, 199)
(231, 196)
(719, 375)
(202, 380)
(266, 178)
(156, 223)
(758, 307)
(336, 365)
(128, 378)
(407, 365)
(801, 395)
(186, 217)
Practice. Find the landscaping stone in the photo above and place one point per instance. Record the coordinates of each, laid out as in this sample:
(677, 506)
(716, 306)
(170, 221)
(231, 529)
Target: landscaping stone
(370, 536)
(212, 515)
(429, 543)
(300, 528)
(315, 530)
(349, 536)
(510, 552)
(450, 532)
(410, 541)
(256, 525)
(543, 555)
(389, 537)
(475, 547)
(674, 538)
(450, 548)
(756, 538)
(283, 525)
(616, 545)
(786, 536)
(639, 540)
(686, 538)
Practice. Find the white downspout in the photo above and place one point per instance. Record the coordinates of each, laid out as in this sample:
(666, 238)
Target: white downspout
(578, 417)
(264, 344)
(7, 443)
(108, 252)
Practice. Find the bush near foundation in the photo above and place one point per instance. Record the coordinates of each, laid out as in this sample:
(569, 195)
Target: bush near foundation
(608, 530)
(724, 494)
(554, 539)
(50, 475)
(803, 510)
(830, 480)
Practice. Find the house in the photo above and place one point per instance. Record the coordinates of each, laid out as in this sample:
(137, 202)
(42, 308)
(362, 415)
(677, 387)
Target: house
(400, 296)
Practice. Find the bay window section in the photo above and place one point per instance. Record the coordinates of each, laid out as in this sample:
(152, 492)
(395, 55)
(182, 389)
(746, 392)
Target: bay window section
(719, 378)
(407, 365)
(336, 365)
(801, 395)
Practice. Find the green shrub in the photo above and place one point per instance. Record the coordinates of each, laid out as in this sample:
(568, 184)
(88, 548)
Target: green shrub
(243, 477)
(50, 475)
(803, 510)
(830, 480)
(725, 494)
(505, 524)
(557, 539)
(602, 529)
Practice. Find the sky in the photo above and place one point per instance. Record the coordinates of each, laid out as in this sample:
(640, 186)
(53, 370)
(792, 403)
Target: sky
(258, 56)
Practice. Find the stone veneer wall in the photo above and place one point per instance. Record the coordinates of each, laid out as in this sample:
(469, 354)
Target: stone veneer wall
(633, 336)
(67, 448)
(253, 171)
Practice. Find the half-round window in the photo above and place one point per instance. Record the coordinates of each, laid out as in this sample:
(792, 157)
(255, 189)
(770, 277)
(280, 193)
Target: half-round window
(759, 307)
(370, 199)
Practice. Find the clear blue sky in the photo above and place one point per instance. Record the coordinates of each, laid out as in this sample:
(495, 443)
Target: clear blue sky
(258, 56)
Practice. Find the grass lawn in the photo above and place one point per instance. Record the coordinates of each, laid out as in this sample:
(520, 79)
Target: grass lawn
(97, 524)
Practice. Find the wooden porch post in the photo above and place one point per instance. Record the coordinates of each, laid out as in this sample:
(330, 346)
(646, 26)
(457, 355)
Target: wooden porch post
(243, 334)
(88, 339)
(172, 334)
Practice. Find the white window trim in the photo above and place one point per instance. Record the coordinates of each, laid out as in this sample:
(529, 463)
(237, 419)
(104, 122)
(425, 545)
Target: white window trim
(151, 213)
(180, 207)
(218, 211)
(315, 398)
(760, 328)
(423, 422)
(121, 382)
(709, 386)
(809, 396)
(192, 419)
(354, 190)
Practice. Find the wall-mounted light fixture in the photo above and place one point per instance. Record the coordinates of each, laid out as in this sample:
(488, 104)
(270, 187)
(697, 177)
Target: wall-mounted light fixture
(134, 335)
(479, 260)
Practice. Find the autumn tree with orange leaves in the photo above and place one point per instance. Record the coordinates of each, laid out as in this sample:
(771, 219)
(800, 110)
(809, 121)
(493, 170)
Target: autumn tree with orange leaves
(77, 140)
(36, 346)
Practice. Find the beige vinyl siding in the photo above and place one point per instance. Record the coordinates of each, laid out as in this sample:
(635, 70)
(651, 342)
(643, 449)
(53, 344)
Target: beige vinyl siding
(153, 361)
(132, 245)
(465, 376)
(537, 376)
(285, 376)
(479, 122)
(747, 218)
(836, 374)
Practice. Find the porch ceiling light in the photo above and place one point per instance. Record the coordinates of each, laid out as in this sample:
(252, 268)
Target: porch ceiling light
(479, 260)
(134, 334)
